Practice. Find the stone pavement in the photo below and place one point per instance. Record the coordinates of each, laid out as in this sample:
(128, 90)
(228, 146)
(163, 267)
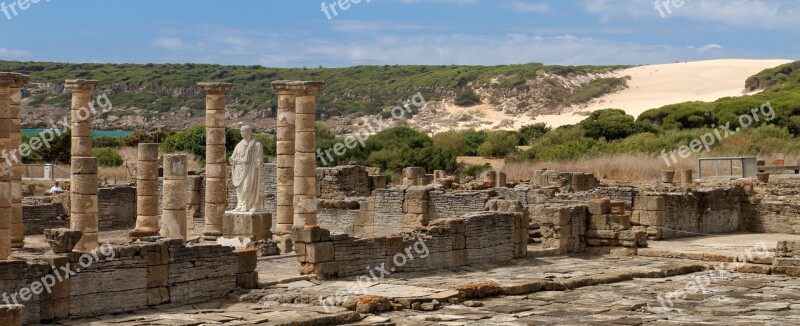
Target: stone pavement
(566, 290)
(736, 299)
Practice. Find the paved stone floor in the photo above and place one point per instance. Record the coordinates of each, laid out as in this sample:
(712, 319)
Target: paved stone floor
(563, 290)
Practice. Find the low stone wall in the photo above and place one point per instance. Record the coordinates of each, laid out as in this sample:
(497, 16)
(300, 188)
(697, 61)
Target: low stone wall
(116, 208)
(38, 217)
(476, 238)
(125, 278)
(388, 211)
(677, 215)
(116, 211)
(772, 217)
(338, 216)
(591, 228)
(458, 204)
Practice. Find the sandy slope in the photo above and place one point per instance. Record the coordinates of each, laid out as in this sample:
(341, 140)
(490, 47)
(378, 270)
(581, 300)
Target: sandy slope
(658, 85)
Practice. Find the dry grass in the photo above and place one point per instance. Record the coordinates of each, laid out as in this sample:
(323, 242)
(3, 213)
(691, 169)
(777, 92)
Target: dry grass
(496, 163)
(633, 167)
(617, 167)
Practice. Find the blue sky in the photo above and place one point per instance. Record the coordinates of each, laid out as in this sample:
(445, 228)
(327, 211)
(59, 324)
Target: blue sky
(296, 33)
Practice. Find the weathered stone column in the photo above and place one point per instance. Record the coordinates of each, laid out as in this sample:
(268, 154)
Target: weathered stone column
(285, 152)
(687, 178)
(6, 80)
(81, 116)
(83, 201)
(174, 203)
(194, 200)
(17, 170)
(83, 179)
(305, 160)
(216, 165)
(147, 222)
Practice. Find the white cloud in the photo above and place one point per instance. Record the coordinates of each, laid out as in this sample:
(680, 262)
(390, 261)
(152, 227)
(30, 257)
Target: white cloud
(521, 6)
(440, 1)
(707, 47)
(750, 14)
(169, 43)
(270, 48)
(13, 53)
(379, 26)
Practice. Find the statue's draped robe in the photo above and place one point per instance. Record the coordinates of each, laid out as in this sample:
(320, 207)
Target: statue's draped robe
(246, 162)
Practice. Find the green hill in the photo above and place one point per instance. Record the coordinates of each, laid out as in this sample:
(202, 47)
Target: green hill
(161, 88)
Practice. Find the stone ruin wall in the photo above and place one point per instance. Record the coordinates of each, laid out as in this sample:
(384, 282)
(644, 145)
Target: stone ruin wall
(140, 275)
(116, 211)
(475, 238)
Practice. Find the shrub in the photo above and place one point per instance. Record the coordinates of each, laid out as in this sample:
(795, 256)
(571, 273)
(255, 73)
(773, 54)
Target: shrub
(499, 144)
(612, 124)
(475, 170)
(529, 133)
(107, 157)
(454, 142)
(467, 97)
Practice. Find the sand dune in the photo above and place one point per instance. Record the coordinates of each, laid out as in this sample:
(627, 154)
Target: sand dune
(654, 86)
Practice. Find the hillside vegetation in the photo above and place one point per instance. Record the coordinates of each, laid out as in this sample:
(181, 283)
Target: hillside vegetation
(160, 89)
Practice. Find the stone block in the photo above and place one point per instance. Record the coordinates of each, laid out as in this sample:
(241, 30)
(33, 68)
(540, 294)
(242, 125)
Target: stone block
(619, 222)
(599, 206)
(157, 296)
(253, 225)
(11, 315)
(319, 252)
(157, 276)
(459, 242)
(602, 234)
(247, 280)
(617, 208)
(310, 234)
(649, 203)
(62, 240)
(598, 222)
(556, 215)
(622, 251)
(650, 218)
(248, 260)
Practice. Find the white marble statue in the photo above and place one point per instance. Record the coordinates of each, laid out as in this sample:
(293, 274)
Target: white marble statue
(246, 163)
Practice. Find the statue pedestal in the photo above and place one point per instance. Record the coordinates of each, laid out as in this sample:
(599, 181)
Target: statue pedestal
(252, 225)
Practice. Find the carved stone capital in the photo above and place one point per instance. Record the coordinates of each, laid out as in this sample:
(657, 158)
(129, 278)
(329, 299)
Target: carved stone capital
(297, 88)
(215, 88)
(80, 85)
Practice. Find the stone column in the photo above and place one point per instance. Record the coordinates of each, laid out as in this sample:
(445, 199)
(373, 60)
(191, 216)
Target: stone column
(687, 178)
(147, 222)
(83, 201)
(174, 203)
(305, 160)
(83, 179)
(216, 165)
(81, 116)
(285, 152)
(17, 170)
(6, 80)
(194, 200)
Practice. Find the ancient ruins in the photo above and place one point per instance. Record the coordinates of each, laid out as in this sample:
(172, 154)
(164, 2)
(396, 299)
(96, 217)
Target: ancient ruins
(326, 246)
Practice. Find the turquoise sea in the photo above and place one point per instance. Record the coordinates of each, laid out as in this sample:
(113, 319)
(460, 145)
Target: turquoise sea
(95, 134)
